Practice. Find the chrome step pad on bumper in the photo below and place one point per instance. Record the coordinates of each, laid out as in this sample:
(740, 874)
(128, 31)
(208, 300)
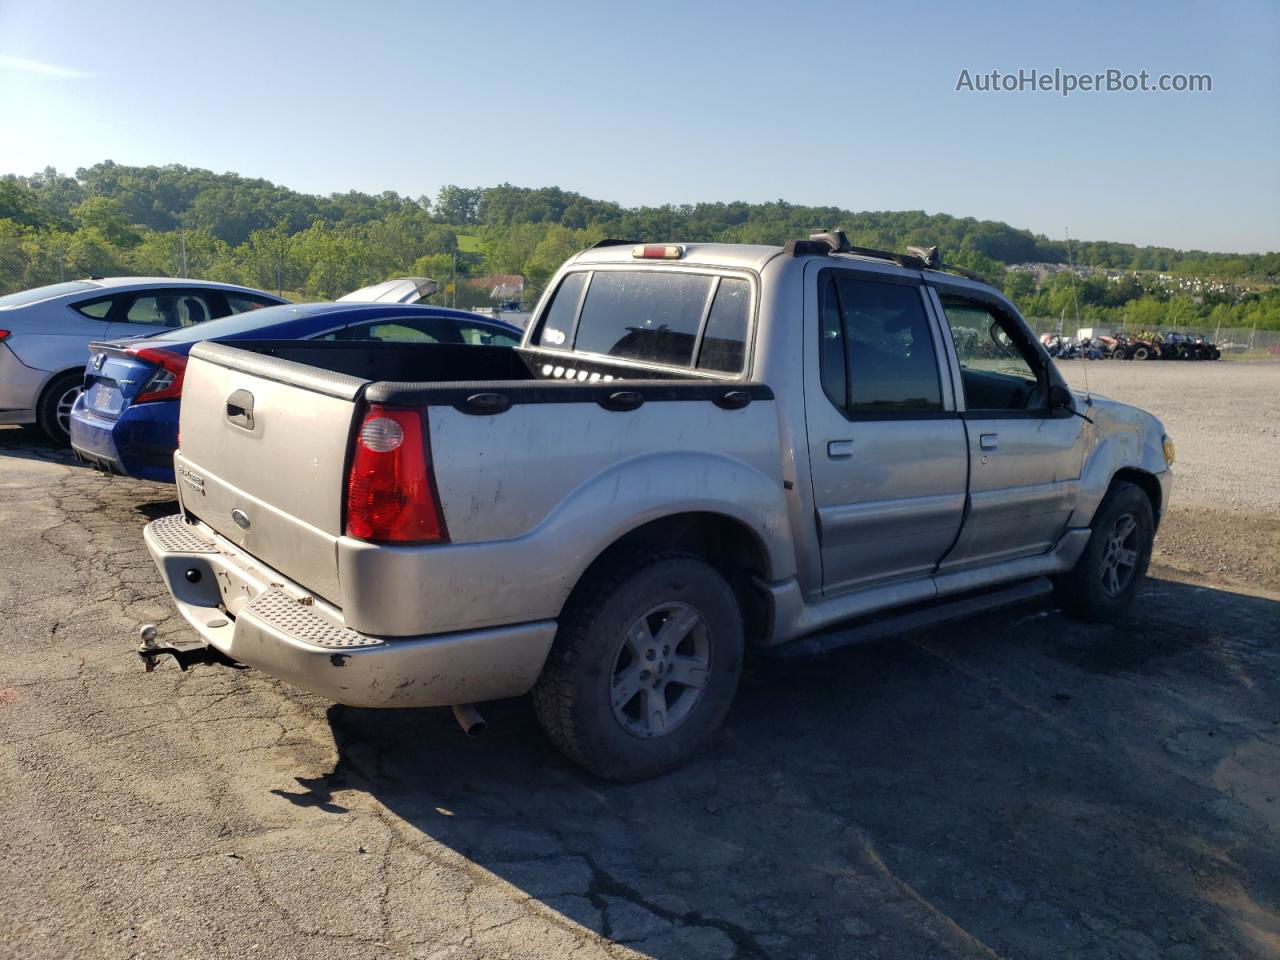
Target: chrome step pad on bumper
(290, 617)
(175, 535)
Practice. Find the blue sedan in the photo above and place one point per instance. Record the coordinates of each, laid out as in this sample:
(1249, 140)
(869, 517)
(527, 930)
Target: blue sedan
(126, 421)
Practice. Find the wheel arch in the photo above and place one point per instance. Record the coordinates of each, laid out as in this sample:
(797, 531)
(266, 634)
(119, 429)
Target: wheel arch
(1145, 481)
(727, 543)
(53, 377)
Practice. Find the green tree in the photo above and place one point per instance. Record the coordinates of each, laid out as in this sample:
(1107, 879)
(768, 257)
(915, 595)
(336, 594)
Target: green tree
(107, 217)
(458, 205)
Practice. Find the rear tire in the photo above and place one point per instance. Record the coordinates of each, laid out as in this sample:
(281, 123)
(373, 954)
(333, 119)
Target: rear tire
(53, 413)
(644, 666)
(1110, 572)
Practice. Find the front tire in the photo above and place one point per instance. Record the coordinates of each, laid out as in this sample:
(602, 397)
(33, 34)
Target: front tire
(644, 666)
(54, 410)
(1110, 572)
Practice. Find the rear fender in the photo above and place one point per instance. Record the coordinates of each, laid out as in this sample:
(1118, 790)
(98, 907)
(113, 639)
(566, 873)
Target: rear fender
(664, 484)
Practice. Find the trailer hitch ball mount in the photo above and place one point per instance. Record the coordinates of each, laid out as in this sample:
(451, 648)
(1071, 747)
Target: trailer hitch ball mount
(187, 654)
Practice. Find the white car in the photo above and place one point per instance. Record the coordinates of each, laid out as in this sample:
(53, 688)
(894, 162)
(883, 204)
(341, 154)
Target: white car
(45, 334)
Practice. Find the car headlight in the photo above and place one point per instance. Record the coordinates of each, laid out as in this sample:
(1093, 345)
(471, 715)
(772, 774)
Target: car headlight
(1169, 451)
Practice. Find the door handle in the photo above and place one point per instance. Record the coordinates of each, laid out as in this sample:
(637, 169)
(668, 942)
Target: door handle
(240, 409)
(989, 441)
(839, 448)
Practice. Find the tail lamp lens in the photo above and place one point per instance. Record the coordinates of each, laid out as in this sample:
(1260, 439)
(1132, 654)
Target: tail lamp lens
(391, 495)
(166, 382)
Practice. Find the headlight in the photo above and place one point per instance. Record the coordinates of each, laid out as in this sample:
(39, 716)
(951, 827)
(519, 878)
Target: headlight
(1169, 452)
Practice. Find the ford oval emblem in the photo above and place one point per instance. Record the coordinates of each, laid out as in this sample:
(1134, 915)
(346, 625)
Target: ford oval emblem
(241, 518)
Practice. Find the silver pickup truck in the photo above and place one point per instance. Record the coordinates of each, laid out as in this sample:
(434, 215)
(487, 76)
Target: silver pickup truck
(698, 449)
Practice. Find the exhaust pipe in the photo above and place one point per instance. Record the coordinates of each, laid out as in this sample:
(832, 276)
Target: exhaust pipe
(469, 719)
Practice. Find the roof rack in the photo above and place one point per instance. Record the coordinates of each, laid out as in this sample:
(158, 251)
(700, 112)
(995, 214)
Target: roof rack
(823, 242)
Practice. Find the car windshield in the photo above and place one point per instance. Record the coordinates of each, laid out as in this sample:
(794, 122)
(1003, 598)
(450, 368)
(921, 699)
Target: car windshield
(236, 324)
(23, 297)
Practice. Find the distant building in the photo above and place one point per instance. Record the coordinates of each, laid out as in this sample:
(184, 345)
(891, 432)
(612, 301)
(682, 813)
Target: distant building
(501, 286)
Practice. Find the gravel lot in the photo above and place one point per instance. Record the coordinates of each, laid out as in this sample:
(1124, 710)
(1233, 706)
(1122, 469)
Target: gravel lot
(1225, 419)
(1019, 787)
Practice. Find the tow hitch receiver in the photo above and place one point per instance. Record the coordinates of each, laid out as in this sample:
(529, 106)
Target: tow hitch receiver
(187, 654)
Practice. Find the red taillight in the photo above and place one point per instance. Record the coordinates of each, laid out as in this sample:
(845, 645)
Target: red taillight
(391, 494)
(658, 251)
(4, 334)
(166, 382)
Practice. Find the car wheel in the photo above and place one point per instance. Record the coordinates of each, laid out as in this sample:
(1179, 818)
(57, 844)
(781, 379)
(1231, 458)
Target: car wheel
(1109, 573)
(54, 410)
(644, 666)
(1117, 354)
(1142, 353)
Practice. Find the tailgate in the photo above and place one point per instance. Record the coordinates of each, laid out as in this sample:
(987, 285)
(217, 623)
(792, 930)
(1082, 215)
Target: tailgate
(263, 457)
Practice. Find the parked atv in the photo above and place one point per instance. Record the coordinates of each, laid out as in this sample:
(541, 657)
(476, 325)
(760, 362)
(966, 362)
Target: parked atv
(1176, 346)
(1146, 346)
(1206, 349)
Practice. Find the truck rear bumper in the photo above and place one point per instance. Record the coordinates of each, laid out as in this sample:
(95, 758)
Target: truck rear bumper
(256, 617)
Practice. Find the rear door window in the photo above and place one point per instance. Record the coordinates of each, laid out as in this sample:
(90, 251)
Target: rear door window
(881, 355)
(179, 309)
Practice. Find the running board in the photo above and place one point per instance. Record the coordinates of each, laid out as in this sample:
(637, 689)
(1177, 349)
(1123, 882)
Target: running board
(915, 619)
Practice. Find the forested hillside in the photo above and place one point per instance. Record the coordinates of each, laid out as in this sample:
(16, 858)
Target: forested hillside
(111, 218)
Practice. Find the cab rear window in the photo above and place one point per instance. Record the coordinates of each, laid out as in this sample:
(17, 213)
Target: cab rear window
(662, 317)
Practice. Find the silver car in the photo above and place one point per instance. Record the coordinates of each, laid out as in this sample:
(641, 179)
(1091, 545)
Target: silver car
(45, 333)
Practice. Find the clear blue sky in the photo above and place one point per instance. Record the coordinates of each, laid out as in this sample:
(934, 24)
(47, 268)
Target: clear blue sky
(845, 103)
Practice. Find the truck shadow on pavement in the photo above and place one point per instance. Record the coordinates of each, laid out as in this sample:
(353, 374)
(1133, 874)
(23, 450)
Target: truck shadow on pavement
(1021, 783)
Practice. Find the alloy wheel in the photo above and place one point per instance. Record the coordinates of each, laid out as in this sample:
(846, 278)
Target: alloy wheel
(661, 670)
(65, 402)
(1120, 556)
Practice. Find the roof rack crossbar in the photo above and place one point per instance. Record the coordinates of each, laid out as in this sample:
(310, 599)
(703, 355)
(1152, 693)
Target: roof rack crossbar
(823, 242)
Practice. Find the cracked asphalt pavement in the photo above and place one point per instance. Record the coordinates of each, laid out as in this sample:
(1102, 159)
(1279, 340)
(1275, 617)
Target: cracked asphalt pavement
(1021, 786)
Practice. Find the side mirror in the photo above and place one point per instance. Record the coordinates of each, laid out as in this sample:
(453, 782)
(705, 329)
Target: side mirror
(1060, 398)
